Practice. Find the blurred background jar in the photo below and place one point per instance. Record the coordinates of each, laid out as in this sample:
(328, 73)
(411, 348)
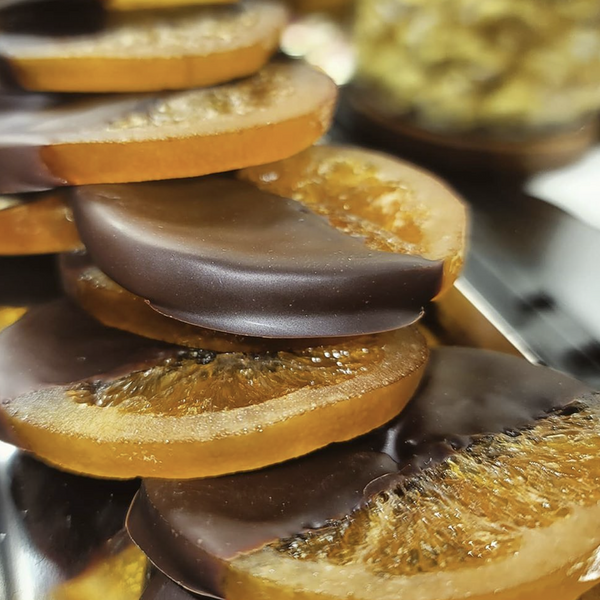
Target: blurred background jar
(495, 69)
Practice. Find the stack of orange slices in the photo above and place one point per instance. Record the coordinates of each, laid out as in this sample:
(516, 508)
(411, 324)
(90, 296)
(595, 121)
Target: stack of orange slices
(238, 328)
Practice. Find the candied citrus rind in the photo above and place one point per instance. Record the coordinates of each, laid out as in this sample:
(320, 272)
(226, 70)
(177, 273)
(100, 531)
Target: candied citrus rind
(394, 205)
(105, 441)
(43, 226)
(513, 517)
(10, 314)
(123, 75)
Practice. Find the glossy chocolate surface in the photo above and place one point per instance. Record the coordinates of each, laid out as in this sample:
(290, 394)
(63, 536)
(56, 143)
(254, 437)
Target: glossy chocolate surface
(188, 528)
(58, 344)
(221, 254)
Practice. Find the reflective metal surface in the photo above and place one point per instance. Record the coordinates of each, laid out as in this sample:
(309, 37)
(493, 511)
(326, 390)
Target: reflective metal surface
(539, 269)
(57, 529)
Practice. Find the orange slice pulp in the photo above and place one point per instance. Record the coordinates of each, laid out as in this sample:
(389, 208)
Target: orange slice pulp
(274, 114)
(392, 205)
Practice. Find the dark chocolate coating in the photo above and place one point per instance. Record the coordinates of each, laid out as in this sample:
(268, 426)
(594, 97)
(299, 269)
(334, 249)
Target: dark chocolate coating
(58, 344)
(188, 528)
(224, 255)
(162, 588)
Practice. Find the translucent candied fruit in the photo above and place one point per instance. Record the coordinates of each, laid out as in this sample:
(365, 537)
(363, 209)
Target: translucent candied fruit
(201, 381)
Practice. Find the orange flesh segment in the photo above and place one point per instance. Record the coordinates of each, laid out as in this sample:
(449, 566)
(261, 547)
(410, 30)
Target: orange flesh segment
(115, 307)
(513, 517)
(393, 205)
(275, 114)
(172, 49)
(42, 226)
(204, 415)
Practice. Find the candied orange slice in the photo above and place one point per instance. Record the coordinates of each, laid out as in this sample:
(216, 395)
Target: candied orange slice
(393, 205)
(114, 306)
(151, 50)
(99, 401)
(276, 113)
(513, 517)
(42, 224)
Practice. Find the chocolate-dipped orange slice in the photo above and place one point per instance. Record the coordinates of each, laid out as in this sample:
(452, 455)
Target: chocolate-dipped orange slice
(36, 224)
(224, 255)
(103, 402)
(484, 487)
(114, 306)
(143, 51)
(393, 205)
(47, 141)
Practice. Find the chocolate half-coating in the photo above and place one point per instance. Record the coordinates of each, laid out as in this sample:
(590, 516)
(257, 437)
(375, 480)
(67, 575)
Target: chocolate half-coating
(189, 528)
(58, 344)
(224, 255)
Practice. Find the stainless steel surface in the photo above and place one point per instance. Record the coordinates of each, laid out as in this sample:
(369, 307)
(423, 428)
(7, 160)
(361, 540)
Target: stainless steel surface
(538, 268)
(53, 526)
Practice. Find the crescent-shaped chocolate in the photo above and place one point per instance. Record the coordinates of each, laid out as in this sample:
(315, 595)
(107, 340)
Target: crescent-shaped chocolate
(221, 254)
(189, 528)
